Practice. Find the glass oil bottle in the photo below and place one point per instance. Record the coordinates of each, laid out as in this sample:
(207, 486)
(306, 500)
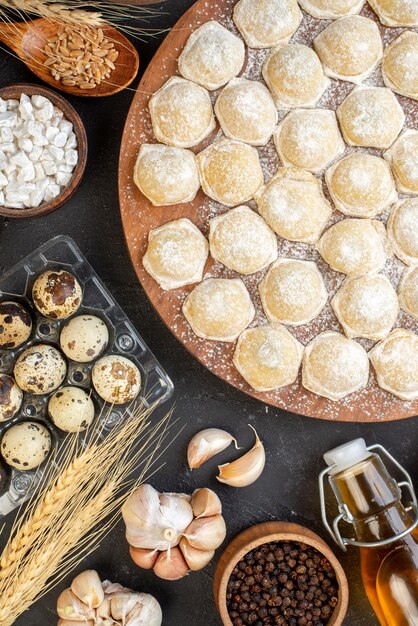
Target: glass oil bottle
(386, 531)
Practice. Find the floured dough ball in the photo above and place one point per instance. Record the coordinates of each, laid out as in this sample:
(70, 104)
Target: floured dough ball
(268, 357)
(246, 111)
(181, 113)
(166, 175)
(57, 294)
(309, 139)
(361, 185)
(366, 306)
(11, 397)
(294, 205)
(71, 409)
(242, 241)
(230, 171)
(212, 56)
(25, 446)
(395, 360)
(219, 309)
(403, 158)
(176, 254)
(350, 48)
(116, 379)
(403, 230)
(396, 12)
(266, 23)
(371, 117)
(15, 325)
(400, 65)
(40, 369)
(408, 291)
(331, 9)
(295, 76)
(293, 292)
(84, 338)
(334, 366)
(354, 247)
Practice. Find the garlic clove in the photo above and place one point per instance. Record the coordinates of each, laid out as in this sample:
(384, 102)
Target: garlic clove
(103, 611)
(195, 559)
(206, 443)
(205, 503)
(70, 608)
(206, 533)
(66, 622)
(143, 558)
(122, 603)
(171, 565)
(146, 613)
(88, 588)
(245, 470)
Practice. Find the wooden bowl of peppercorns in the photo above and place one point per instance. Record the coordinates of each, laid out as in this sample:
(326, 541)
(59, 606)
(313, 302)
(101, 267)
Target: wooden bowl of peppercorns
(281, 574)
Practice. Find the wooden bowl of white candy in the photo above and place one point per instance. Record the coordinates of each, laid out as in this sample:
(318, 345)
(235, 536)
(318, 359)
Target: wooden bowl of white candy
(43, 150)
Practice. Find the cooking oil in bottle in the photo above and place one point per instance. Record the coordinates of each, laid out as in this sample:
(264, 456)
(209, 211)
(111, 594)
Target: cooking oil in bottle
(386, 531)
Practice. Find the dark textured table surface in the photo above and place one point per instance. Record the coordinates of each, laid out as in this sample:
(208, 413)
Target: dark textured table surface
(288, 488)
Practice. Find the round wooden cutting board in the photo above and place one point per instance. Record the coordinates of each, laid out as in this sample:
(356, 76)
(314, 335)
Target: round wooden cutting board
(369, 405)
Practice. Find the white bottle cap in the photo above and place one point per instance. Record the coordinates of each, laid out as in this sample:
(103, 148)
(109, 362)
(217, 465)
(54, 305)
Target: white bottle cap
(346, 455)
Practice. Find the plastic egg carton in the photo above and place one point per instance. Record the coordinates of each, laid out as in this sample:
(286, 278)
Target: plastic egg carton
(62, 253)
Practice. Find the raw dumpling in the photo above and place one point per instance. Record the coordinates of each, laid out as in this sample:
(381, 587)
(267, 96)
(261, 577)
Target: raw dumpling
(266, 23)
(309, 139)
(350, 48)
(408, 292)
(403, 230)
(230, 171)
(219, 309)
(334, 366)
(354, 247)
(361, 185)
(331, 9)
(246, 111)
(241, 240)
(395, 360)
(366, 306)
(371, 117)
(396, 12)
(176, 254)
(166, 175)
(181, 113)
(294, 205)
(295, 76)
(212, 56)
(403, 158)
(400, 65)
(268, 357)
(293, 292)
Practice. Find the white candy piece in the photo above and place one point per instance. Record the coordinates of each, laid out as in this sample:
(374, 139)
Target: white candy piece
(3, 105)
(8, 118)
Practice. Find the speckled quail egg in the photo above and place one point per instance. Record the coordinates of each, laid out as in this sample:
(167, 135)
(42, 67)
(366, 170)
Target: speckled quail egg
(15, 325)
(84, 338)
(11, 397)
(71, 409)
(57, 294)
(26, 445)
(40, 369)
(116, 379)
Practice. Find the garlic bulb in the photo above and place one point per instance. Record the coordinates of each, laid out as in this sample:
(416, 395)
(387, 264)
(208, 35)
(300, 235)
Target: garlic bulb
(195, 559)
(87, 586)
(171, 565)
(71, 608)
(146, 613)
(206, 533)
(205, 503)
(205, 444)
(245, 470)
(155, 521)
(143, 558)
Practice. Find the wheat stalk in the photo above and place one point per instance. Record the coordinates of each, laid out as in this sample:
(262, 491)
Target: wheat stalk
(60, 525)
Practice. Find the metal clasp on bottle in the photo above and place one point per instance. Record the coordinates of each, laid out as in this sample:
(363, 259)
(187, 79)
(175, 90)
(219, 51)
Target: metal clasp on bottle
(346, 516)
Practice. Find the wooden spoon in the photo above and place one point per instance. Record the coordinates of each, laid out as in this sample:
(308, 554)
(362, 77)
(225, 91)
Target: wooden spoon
(28, 40)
